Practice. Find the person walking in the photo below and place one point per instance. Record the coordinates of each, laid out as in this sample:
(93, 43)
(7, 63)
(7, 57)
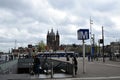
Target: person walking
(75, 64)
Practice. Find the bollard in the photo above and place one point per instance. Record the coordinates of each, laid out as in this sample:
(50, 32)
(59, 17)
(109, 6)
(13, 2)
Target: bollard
(73, 71)
(73, 68)
(52, 70)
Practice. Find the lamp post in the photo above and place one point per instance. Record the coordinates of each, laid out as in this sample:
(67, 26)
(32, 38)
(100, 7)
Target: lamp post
(119, 49)
(91, 22)
(99, 48)
(103, 44)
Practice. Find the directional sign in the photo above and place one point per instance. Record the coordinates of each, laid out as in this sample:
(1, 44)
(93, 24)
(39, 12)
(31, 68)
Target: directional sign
(83, 34)
(101, 41)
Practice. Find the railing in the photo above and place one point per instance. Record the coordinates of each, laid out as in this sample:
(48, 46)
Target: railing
(58, 66)
(8, 67)
(25, 65)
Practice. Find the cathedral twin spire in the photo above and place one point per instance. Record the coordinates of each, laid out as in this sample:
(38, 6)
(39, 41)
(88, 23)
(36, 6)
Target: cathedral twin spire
(53, 40)
(52, 33)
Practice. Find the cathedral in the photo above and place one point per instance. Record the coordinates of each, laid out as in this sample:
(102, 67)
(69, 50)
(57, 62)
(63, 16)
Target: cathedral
(53, 40)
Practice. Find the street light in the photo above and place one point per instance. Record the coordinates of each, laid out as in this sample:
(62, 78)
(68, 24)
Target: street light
(103, 44)
(91, 22)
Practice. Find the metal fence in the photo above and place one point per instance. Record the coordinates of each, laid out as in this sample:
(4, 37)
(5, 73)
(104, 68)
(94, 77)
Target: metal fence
(8, 67)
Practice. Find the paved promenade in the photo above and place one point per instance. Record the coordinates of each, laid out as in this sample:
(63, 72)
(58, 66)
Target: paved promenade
(96, 70)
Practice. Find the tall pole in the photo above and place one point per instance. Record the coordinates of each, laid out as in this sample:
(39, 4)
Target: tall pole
(91, 22)
(93, 45)
(98, 50)
(119, 47)
(99, 47)
(103, 44)
(83, 56)
(15, 44)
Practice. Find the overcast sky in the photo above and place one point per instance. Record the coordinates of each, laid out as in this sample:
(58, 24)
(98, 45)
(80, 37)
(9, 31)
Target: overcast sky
(28, 21)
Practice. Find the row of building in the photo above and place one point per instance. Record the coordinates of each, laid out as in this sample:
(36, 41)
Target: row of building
(53, 44)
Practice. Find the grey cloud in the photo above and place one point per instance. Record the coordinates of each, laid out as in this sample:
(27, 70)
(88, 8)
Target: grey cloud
(103, 21)
(19, 40)
(102, 6)
(22, 8)
(68, 39)
(62, 4)
(5, 40)
(14, 5)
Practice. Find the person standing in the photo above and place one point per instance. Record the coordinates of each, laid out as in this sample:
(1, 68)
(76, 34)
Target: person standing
(67, 57)
(36, 65)
(89, 58)
(75, 64)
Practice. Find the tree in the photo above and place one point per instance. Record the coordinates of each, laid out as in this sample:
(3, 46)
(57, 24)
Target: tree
(41, 46)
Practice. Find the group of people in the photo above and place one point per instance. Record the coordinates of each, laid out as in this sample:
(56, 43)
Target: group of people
(36, 66)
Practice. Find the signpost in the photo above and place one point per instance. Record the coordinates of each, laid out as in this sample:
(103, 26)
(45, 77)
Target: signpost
(83, 34)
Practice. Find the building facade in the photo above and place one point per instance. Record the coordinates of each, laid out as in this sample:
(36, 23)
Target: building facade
(115, 47)
(53, 40)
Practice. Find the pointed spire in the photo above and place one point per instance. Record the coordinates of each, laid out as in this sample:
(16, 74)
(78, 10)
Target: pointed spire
(52, 30)
(57, 33)
(48, 32)
(52, 33)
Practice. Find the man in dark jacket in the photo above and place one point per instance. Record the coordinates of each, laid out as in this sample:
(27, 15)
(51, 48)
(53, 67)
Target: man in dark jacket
(36, 65)
(75, 64)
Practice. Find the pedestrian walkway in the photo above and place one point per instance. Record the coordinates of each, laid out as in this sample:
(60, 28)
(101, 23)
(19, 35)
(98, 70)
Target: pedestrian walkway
(91, 78)
(96, 70)
(99, 69)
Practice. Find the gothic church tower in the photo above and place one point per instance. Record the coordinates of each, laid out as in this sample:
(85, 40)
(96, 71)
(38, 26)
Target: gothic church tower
(53, 40)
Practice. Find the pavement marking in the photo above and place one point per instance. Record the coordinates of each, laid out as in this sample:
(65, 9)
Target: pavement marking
(97, 78)
(89, 78)
(110, 65)
(107, 64)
